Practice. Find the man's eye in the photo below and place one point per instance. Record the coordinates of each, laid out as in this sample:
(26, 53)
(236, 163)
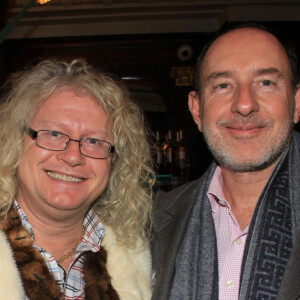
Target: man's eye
(93, 142)
(223, 86)
(55, 133)
(266, 82)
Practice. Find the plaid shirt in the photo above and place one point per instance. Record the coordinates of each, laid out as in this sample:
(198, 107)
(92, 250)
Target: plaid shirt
(71, 282)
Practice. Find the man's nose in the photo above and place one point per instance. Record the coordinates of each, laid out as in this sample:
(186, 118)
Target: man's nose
(245, 102)
(72, 154)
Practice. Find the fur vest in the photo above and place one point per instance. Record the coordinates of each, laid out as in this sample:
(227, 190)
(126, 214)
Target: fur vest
(130, 270)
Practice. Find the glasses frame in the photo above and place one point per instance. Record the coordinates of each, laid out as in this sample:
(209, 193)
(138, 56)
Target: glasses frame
(34, 134)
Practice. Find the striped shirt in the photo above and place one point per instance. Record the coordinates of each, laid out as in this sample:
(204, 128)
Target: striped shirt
(71, 282)
(230, 240)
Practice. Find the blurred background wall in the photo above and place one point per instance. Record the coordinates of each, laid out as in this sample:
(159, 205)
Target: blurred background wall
(151, 45)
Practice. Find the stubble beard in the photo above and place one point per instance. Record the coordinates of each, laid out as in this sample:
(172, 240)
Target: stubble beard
(267, 151)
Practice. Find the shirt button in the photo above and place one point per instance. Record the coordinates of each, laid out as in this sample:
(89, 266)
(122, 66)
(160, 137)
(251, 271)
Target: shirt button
(238, 241)
(229, 284)
(222, 203)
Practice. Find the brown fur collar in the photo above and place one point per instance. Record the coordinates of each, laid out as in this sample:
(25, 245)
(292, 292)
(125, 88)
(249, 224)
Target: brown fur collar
(37, 280)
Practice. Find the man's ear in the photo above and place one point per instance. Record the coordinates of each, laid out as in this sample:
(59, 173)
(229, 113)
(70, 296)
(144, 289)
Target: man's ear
(194, 106)
(297, 105)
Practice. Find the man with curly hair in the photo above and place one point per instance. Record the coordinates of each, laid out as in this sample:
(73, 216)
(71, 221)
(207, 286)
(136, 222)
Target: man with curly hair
(75, 188)
(234, 233)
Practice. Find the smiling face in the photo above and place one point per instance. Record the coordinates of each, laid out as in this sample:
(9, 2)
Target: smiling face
(52, 181)
(245, 108)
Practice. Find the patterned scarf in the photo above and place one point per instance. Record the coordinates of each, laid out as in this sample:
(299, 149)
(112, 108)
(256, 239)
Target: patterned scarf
(270, 239)
(270, 242)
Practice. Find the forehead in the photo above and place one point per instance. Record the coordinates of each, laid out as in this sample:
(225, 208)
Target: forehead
(243, 50)
(69, 109)
(65, 100)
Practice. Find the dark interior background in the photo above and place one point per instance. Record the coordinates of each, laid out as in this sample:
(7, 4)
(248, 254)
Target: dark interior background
(150, 57)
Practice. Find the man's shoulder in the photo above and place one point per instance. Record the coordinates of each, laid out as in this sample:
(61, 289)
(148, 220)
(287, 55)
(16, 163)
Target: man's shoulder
(165, 199)
(184, 196)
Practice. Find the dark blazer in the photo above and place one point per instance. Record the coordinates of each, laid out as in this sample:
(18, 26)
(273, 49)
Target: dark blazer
(172, 211)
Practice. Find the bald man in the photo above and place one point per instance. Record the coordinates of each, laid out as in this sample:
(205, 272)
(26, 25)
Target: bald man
(230, 234)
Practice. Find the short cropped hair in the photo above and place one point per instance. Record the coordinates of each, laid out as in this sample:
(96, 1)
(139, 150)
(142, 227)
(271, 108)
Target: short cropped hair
(289, 49)
(126, 202)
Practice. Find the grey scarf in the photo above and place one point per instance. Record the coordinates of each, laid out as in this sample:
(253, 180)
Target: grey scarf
(272, 233)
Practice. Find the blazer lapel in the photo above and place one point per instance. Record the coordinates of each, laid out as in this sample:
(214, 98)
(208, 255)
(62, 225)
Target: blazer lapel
(171, 215)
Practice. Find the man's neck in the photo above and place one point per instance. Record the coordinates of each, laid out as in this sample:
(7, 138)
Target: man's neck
(242, 191)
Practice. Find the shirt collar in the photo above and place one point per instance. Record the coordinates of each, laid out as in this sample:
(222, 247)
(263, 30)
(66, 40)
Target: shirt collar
(94, 229)
(215, 191)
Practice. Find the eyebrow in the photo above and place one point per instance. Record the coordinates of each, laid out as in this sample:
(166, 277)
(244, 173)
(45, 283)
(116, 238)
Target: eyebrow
(62, 127)
(219, 74)
(228, 74)
(269, 71)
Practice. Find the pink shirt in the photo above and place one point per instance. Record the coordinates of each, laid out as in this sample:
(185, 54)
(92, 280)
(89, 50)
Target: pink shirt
(230, 240)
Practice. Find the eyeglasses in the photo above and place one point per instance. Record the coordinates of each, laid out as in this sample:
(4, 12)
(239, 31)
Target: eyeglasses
(57, 141)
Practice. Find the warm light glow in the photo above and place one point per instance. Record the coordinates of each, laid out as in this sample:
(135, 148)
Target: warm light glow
(43, 1)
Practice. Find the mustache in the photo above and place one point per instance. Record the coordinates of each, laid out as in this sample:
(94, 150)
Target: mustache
(253, 120)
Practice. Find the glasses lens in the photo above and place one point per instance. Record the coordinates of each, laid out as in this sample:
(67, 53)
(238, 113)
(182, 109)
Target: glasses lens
(52, 140)
(95, 148)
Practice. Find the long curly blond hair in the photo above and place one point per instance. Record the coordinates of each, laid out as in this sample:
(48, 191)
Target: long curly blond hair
(126, 202)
